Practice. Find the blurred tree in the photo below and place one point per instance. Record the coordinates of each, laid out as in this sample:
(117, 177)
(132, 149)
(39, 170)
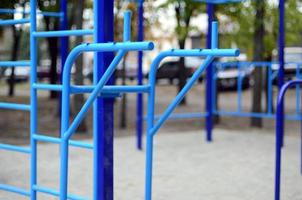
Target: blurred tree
(51, 24)
(184, 11)
(79, 99)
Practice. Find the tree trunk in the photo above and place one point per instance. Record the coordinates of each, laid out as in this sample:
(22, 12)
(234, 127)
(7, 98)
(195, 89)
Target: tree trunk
(14, 56)
(182, 76)
(79, 99)
(123, 122)
(258, 56)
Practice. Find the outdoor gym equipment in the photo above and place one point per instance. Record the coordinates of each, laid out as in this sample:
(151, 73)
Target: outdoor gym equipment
(210, 90)
(280, 134)
(153, 127)
(99, 89)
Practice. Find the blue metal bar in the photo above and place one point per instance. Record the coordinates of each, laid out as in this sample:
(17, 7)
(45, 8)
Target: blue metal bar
(15, 148)
(88, 89)
(14, 63)
(102, 108)
(209, 72)
(13, 11)
(270, 89)
(56, 193)
(33, 99)
(14, 189)
(280, 134)
(14, 106)
(64, 43)
(73, 143)
(9, 22)
(139, 100)
(177, 116)
(64, 33)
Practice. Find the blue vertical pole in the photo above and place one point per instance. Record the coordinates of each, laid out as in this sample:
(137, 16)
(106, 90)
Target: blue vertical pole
(63, 42)
(140, 101)
(281, 45)
(33, 99)
(209, 76)
(103, 108)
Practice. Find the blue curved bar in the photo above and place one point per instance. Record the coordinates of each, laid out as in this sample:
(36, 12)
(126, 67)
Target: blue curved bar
(280, 134)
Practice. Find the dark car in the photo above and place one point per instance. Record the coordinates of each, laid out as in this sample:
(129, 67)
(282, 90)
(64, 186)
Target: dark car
(170, 71)
(228, 77)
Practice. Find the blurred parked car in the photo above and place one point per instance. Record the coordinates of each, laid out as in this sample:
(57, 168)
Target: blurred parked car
(227, 78)
(21, 74)
(169, 70)
(292, 59)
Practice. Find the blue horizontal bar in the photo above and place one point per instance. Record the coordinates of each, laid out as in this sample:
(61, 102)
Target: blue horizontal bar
(14, 189)
(88, 89)
(177, 116)
(63, 33)
(14, 106)
(13, 11)
(14, 148)
(56, 193)
(13, 22)
(112, 89)
(73, 143)
(14, 63)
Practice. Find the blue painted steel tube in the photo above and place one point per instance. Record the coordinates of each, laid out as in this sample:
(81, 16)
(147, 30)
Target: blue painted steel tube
(63, 33)
(281, 43)
(270, 89)
(13, 22)
(64, 41)
(14, 189)
(152, 129)
(15, 148)
(15, 106)
(209, 76)
(140, 100)
(102, 109)
(280, 134)
(14, 64)
(56, 193)
(13, 11)
(33, 99)
(75, 89)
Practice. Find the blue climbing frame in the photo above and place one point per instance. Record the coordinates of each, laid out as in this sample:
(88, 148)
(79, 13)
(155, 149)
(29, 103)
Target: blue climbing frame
(153, 127)
(208, 115)
(280, 134)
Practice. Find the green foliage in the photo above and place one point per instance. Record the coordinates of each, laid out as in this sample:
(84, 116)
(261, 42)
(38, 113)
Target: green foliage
(184, 11)
(242, 15)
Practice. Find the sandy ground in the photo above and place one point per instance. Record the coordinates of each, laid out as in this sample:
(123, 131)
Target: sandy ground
(235, 166)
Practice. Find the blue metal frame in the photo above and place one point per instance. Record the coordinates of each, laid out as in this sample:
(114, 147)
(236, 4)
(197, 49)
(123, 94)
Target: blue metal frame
(152, 127)
(280, 135)
(140, 99)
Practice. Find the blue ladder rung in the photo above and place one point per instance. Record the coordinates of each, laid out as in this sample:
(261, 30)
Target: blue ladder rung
(15, 148)
(63, 33)
(56, 193)
(14, 106)
(78, 89)
(13, 11)
(13, 22)
(14, 189)
(73, 143)
(14, 63)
